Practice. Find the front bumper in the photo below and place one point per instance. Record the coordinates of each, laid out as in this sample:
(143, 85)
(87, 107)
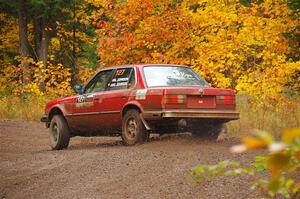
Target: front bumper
(180, 113)
(44, 118)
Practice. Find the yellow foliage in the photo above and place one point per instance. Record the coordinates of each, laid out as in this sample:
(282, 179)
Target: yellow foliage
(291, 135)
(9, 33)
(9, 73)
(281, 152)
(231, 45)
(254, 143)
(56, 77)
(297, 155)
(282, 161)
(84, 74)
(277, 163)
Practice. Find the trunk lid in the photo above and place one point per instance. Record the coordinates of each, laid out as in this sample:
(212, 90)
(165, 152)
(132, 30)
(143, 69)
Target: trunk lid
(200, 98)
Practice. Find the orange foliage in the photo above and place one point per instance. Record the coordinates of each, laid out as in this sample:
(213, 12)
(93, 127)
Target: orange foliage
(229, 44)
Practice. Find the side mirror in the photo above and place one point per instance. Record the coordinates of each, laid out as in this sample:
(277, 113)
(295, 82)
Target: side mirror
(78, 89)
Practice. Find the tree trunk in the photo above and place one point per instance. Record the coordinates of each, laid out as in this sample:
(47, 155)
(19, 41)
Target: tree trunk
(37, 36)
(73, 69)
(24, 49)
(43, 49)
(45, 41)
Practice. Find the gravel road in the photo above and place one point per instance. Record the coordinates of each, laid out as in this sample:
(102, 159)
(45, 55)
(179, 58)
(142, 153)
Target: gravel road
(102, 167)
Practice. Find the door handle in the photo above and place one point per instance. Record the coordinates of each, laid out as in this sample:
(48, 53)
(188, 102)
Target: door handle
(97, 99)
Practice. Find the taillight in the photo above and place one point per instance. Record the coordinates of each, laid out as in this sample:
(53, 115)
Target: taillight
(225, 99)
(174, 99)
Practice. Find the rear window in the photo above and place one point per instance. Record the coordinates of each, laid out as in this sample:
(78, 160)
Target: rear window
(172, 76)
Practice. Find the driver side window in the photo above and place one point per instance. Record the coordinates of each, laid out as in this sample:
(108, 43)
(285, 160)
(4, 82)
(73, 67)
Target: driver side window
(99, 83)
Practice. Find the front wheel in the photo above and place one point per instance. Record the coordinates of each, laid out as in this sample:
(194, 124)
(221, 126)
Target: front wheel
(59, 133)
(133, 129)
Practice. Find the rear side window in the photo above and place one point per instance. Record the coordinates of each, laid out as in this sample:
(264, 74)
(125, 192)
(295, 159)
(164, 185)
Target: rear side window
(124, 78)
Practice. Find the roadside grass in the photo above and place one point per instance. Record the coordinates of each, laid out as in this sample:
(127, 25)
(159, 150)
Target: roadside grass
(273, 120)
(28, 108)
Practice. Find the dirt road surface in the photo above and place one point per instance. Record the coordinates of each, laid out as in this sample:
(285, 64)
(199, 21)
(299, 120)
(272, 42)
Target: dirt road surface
(102, 167)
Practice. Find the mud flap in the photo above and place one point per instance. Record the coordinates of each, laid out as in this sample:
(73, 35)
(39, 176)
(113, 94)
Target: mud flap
(146, 125)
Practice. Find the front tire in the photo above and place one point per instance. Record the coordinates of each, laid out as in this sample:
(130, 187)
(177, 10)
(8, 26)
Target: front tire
(133, 129)
(59, 133)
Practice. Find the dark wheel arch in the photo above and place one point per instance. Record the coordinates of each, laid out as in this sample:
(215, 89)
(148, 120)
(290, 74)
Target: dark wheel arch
(54, 111)
(139, 110)
(130, 107)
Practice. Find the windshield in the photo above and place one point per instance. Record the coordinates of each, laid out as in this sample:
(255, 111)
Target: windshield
(172, 76)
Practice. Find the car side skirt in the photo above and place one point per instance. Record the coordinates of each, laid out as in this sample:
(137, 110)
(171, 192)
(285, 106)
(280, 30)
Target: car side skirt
(93, 113)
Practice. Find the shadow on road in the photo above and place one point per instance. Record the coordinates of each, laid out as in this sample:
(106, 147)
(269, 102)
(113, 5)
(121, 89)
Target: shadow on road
(80, 143)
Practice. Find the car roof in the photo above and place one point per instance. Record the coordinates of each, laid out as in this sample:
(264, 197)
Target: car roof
(138, 65)
(141, 65)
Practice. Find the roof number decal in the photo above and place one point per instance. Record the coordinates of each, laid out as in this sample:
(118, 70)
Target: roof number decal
(120, 72)
(141, 94)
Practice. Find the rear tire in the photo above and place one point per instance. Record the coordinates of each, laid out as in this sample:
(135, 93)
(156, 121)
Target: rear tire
(133, 129)
(209, 132)
(59, 133)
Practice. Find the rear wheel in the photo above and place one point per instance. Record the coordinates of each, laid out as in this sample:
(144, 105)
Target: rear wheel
(133, 129)
(210, 131)
(59, 133)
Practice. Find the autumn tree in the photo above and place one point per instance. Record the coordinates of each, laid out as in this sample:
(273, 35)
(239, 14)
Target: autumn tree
(234, 44)
(47, 29)
(9, 48)
(20, 7)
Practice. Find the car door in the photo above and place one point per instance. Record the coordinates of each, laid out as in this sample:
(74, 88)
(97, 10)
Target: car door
(87, 113)
(111, 102)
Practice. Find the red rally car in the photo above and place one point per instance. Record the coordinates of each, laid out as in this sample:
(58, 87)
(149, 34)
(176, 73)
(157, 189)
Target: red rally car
(135, 100)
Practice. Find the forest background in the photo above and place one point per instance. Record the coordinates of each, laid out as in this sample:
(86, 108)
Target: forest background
(251, 46)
